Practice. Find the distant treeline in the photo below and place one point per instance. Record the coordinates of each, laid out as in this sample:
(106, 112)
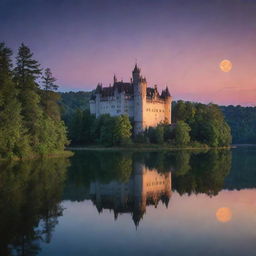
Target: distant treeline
(195, 125)
(242, 120)
(30, 120)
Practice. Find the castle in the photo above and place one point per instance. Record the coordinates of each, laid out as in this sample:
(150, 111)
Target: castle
(141, 103)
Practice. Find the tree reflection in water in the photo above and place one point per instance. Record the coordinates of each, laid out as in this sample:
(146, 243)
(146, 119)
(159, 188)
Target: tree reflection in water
(128, 182)
(31, 191)
(30, 195)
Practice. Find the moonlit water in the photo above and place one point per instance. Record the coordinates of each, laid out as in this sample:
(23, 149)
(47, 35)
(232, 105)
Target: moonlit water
(105, 203)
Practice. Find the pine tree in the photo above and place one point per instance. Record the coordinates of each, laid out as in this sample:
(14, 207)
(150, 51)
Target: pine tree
(26, 72)
(49, 98)
(54, 128)
(49, 81)
(13, 140)
(25, 125)
(27, 69)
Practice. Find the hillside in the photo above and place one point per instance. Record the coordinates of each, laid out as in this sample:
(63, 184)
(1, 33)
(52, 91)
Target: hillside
(70, 102)
(242, 121)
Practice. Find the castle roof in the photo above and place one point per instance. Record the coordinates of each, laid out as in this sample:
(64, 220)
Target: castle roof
(136, 69)
(165, 93)
(124, 87)
(128, 89)
(120, 86)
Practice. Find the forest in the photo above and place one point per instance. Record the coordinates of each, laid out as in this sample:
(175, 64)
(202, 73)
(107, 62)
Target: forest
(30, 116)
(241, 120)
(195, 125)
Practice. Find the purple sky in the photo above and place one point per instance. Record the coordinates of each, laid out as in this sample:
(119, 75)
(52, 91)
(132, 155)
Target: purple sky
(177, 42)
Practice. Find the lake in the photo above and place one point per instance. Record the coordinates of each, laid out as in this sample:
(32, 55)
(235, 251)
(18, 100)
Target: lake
(124, 203)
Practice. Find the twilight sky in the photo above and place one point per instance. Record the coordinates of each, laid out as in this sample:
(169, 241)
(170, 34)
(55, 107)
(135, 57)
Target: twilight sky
(177, 42)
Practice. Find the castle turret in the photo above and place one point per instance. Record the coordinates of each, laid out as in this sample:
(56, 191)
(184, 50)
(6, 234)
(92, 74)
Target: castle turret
(115, 79)
(97, 99)
(140, 92)
(168, 100)
(136, 74)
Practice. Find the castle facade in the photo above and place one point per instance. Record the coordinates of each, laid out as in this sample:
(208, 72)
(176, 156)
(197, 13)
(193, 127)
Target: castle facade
(145, 105)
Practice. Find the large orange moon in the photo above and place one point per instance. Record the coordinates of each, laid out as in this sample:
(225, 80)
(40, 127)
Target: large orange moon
(224, 214)
(226, 65)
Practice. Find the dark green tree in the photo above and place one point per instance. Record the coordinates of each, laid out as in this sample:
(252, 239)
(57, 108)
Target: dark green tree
(41, 120)
(107, 130)
(49, 98)
(159, 133)
(13, 141)
(48, 81)
(27, 69)
(182, 136)
(122, 130)
(207, 123)
(26, 72)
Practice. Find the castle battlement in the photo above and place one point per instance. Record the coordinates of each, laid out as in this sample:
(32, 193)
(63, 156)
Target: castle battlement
(145, 105)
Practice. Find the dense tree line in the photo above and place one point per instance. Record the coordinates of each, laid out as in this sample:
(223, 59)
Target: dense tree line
(30, 122)
(206, 123)
(195, 124)
(106, 130)
(71, 102)
(242, 121)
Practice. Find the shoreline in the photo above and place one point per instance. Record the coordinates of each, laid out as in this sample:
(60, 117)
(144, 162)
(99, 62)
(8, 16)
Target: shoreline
(142, 148)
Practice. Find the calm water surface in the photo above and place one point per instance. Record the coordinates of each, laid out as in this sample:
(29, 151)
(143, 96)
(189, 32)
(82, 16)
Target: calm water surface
(103, 203)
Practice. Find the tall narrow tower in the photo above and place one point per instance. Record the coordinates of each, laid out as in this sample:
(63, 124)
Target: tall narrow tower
(168, 103)
(140, 92)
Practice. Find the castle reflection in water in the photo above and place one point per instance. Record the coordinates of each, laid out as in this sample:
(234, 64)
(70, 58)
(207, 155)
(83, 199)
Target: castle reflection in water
(145, 187)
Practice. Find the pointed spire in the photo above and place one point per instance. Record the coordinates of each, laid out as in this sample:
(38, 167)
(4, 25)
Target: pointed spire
(136, 69)
(115, 79)
(167, 93)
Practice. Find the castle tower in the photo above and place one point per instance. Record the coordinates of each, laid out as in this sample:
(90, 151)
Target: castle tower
(114, 79)
(168, 102)
(136, 74)
(140, 92)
